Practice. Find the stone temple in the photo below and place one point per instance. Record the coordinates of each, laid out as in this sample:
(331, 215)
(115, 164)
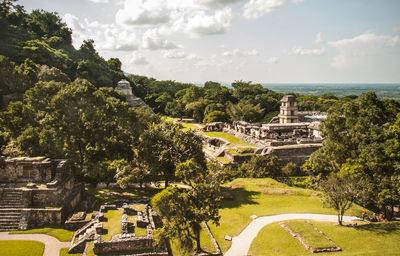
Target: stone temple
(125, 88)
(292, 135)
(35, 192)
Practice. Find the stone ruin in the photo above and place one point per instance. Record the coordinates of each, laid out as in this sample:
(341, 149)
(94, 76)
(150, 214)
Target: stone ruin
(36, 191)
(292, 135)
(126, 241)
(125, 88)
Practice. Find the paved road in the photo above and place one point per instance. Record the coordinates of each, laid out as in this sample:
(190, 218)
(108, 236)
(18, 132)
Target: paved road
(241, 243)
(52, 245)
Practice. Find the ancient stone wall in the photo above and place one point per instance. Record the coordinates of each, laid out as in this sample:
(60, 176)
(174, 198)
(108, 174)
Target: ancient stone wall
(120, 245)
(41, 217)
(36, 169)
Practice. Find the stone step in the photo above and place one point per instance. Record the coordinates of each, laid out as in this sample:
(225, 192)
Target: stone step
(9, 222)
(11, 200)
(10, 211)
(11, 206)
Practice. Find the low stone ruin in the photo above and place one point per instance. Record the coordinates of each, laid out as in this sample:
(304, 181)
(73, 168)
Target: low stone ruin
(126, 241)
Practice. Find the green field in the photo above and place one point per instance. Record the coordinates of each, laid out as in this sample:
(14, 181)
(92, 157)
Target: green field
(264, 197)
(368, 239)
(236, 142)
(21, 248)
(59, 233)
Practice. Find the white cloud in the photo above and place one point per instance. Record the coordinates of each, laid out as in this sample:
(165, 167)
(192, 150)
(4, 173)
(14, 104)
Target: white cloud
(238, 52)
(364, 45)
(272, 60)
(318, 38)
(138, 59)
(257, 8)
(204, 24)
(396, 29)
(217, 3)
(297, 1)
(174, 54)
(106, 36)
(302, 51)
(99, 1)
(143, 12)
(152, 40)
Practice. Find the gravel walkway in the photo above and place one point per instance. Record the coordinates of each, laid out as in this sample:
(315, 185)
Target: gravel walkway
(52, 245)
(241, 243)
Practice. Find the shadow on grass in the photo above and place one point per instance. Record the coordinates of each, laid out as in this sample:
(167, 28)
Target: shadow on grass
(106, 195)
(381, 228)
(235, 197)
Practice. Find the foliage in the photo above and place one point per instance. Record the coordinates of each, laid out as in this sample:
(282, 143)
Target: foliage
(340, 193)
(216, 116)
(183, 210)
(357, 133)
(163, 146)
(91, 127)
(289, 169)
(260, 166)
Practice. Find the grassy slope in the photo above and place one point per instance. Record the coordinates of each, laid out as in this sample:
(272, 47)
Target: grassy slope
(369, 240)
(230, 138)
(59, 233)
(263, 197)
(21, 248)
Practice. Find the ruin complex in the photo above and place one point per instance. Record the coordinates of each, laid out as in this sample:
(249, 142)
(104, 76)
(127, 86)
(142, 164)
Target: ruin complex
(292, 135)
(36, 191)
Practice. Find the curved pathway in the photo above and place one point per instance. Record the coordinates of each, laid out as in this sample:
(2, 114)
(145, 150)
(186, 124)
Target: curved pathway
(52, 244)
(241, 243)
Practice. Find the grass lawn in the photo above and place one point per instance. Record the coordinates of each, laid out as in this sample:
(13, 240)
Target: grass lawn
(113, 224)
(311, 236)
(21, 248)
(64, 252)
(264, 197)
(230, 138)
(368, 239)
(59, 233)
(223, 160)
(238, 154)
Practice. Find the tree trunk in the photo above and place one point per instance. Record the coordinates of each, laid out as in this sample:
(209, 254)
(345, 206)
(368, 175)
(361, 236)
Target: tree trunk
(166, 182)
(197, 232)
(339, 219)
(141, 184)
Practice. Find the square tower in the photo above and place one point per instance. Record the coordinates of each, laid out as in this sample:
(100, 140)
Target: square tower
(289, 110)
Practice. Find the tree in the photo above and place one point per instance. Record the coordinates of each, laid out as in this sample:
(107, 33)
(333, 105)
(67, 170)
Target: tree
(260, 166)
(163, 146)
(91, 127)
(216, 116)
(245, 111)
(340, 193)
(183, 210)
(357, 144)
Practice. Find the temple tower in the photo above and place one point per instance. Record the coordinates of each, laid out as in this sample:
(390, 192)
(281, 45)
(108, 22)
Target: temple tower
(289, 110)
(124, 87)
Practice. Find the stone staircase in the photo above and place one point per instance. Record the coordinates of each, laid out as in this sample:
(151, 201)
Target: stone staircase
(10, 209)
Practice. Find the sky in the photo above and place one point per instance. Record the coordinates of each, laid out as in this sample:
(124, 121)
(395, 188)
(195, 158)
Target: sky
(264, 41)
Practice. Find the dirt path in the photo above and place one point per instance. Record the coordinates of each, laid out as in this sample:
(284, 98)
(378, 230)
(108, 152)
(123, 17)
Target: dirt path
(52, 245)
(241, 243)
